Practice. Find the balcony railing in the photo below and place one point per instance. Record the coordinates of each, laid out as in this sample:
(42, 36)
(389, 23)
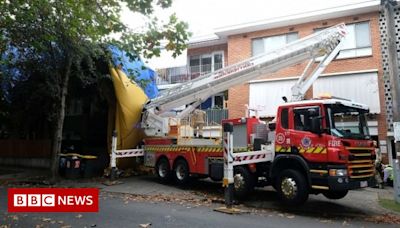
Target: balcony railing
(184, 73)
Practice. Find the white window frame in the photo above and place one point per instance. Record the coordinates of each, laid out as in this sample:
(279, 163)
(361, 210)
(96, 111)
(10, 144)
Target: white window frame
(206, 55)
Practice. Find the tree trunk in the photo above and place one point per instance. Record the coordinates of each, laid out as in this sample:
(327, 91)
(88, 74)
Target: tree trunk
(58, 130)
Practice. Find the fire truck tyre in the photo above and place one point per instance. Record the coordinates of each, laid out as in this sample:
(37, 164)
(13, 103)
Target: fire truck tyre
(181, 171)
(244, 182)
(292, 187)
(335, 194)
(163, 170)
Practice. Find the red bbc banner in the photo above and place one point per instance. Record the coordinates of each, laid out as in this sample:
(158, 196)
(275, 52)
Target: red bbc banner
(53, 200)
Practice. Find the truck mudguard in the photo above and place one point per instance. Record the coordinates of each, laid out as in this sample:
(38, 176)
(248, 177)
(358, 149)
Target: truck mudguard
(290, 158)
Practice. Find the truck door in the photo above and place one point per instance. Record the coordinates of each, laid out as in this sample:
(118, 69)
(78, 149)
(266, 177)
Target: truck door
(310, 145)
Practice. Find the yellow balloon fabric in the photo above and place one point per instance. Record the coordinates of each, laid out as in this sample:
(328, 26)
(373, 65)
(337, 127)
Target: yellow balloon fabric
(130, 101)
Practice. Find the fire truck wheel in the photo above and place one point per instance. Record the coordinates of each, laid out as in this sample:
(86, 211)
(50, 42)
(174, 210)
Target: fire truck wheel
(163, 170)
(243, 181)
(335, 194)
(181, 171)
(292, 187)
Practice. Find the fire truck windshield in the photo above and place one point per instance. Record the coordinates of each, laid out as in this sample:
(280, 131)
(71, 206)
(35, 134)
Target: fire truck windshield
(347, 122)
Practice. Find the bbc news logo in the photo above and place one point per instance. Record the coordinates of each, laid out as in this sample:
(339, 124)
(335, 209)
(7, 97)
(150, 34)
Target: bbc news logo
(53, 200)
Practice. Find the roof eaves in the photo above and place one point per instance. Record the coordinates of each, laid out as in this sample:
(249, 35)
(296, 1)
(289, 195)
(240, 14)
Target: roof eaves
(340, 11)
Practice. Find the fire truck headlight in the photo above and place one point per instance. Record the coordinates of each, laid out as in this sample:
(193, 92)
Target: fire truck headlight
(338, 172)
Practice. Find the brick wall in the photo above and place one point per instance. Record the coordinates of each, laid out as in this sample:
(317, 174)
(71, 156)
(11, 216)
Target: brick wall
(239, 48)
(209, 50)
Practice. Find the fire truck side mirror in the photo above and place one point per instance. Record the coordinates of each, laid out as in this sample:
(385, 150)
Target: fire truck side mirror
(316, 127)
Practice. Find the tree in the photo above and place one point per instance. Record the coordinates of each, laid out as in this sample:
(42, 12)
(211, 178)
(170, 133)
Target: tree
(55, 37)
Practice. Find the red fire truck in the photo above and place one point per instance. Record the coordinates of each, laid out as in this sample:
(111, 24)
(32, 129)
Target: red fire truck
(309, 148)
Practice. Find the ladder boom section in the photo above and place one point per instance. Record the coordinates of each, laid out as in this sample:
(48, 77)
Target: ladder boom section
(192, 93)
(308, 78)
(316, 45)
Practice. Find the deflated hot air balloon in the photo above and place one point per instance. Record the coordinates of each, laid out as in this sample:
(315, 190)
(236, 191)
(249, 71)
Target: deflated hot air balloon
(130, 97)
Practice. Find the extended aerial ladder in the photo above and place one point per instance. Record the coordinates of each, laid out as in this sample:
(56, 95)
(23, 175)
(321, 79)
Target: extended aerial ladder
(325, 44)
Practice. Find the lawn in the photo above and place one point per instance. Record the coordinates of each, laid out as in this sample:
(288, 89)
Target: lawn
(390, 204)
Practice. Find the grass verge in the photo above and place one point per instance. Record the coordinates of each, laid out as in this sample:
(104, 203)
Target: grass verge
(390, 204)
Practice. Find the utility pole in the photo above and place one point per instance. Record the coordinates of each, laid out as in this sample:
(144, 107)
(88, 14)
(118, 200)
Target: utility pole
(388, 8)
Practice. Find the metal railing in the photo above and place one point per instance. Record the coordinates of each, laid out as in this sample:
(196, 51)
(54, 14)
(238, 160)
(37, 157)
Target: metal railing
(215, 116)
(185, 73)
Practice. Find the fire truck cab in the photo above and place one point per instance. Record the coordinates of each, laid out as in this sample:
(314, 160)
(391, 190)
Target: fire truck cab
(321, 146)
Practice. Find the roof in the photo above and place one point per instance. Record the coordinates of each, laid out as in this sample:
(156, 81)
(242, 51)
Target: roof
(206, 40)
(222, 33)
(344, 102)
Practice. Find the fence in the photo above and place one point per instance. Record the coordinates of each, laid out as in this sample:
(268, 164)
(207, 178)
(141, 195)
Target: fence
(17, 148)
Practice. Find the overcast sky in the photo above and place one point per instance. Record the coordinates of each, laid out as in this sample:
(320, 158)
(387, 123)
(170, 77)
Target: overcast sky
(203, 16)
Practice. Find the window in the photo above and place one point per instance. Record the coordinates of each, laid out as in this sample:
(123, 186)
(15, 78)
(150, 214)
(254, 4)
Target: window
(262, 45)
(219, 101)
(357, 43)
(194, 64)
(302, 117)
(203, 64)
(206, 62)
(285, 118)
(218, 61)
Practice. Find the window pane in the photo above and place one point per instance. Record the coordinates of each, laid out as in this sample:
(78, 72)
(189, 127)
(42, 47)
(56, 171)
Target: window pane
(362, 34)
(285, 118)
(349, 40)
(257, 47)
(299, 121)
(194, 64)
(302, 118)
(262, 45)
(274, 42)
(217, 61)
(292, 37)
(205, 64)
(219, 102)
(194, 61)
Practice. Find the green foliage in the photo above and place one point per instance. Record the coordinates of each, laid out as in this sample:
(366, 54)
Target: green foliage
(49, 41)
(79, 27)
(58, 37)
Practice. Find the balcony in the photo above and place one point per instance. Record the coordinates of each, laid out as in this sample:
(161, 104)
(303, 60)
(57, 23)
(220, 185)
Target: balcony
(185, 73)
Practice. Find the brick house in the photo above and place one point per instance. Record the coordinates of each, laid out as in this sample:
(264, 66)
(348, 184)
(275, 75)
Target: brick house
(355, 74)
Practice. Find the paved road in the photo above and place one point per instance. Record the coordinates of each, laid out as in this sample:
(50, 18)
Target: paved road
(141, 200)
(116, 211)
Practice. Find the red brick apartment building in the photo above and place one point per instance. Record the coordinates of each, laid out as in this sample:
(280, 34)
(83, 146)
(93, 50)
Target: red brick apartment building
(355, 74)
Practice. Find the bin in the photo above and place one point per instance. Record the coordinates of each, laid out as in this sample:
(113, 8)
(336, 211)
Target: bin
(73, 167)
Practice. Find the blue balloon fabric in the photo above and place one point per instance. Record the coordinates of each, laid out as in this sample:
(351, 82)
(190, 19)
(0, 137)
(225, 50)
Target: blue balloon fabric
(136, 70)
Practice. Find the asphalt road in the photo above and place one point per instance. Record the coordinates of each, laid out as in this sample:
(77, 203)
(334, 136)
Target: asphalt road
(142, 200)
(118, 210)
